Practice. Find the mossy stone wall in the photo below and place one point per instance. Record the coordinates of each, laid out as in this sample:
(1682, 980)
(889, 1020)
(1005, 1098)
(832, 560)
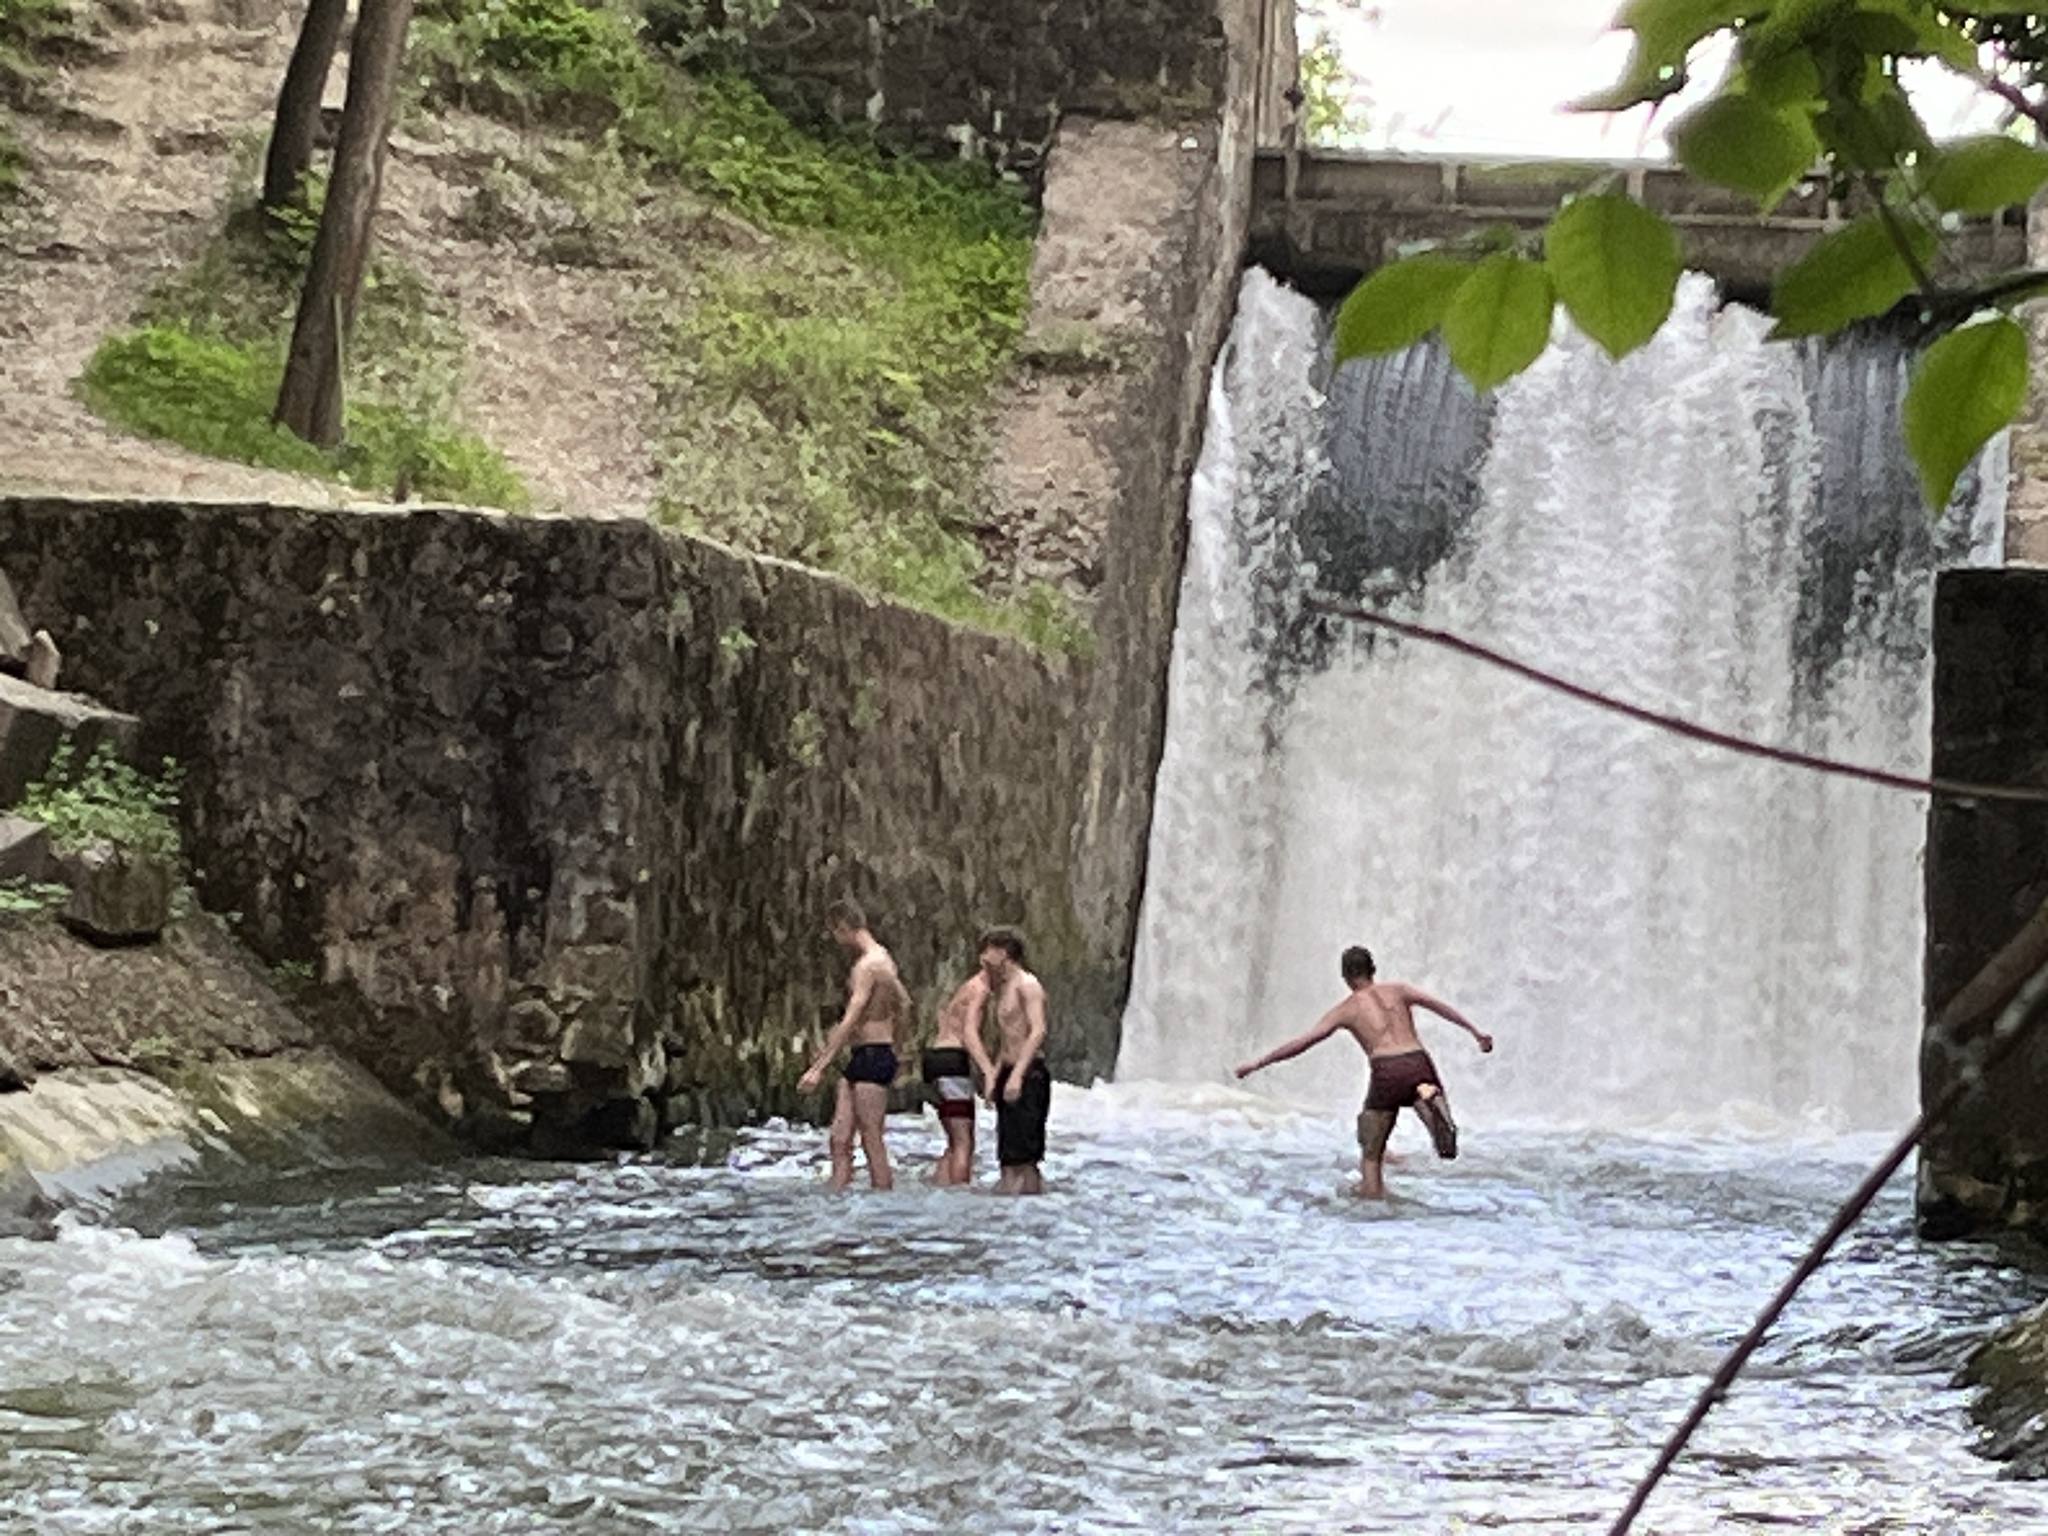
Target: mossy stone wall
(552, 807)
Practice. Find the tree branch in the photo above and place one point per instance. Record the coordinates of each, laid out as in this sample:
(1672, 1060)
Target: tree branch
(1890, 219)
(2034, 112)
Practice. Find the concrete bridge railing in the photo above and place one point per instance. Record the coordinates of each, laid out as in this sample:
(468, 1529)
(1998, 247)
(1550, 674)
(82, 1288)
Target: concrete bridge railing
(1325, 219)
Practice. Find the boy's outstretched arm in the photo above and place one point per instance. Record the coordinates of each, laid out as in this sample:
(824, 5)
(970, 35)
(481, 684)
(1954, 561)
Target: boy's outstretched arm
(1322, 1029)
(1417, 998)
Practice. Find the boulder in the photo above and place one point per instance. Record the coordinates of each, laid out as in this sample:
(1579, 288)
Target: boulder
(25, 1211)
(117, 896)
(15, 634)
(24, 849)
(34, 721)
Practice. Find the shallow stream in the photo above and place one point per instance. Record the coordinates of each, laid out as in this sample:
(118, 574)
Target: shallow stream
(1195, 1330)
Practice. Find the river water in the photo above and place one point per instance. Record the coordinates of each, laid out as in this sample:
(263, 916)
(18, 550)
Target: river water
(1196, 1330)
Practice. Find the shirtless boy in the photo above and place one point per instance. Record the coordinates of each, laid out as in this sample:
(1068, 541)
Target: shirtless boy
(955, 1061)
(876, 1017)
(1377, 1015)
(1022, 1087)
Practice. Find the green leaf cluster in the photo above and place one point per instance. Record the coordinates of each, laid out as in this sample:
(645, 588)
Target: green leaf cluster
(1813, 88)
(106, 800)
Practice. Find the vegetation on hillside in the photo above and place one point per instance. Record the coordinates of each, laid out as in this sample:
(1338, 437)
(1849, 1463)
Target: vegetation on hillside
(823, 369)
(825, 322)
(27, 28)
(201, 368)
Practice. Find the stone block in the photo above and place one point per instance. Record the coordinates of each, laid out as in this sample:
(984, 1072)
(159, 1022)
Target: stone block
(35, 721)
(24, 849)
(601, 1038)
(539, 1077)
(117, 897)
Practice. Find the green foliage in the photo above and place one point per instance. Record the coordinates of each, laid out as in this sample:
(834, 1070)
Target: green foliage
(1499, 319)
(1812, 82)
(806, 738)
(1737, 141)
(1399, 304)
(215, 396)
(1982, 175)
(824, 393)
(202, 369)
(1330, 109)
(1614, 264)
(533, 58)
(705, 33)
(1964, 388)
(1852, 274)
(827, 399)
(106, 801)
(28, 29)
(21, 898)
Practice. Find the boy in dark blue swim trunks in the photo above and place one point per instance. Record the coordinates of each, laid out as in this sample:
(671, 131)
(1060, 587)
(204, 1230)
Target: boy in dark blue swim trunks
(877, 1016)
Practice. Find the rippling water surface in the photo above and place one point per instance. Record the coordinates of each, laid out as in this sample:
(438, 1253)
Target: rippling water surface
(1195, 1330)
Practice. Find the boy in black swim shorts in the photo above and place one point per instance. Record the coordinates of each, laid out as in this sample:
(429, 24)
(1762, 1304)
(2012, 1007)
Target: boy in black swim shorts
(876, 1017)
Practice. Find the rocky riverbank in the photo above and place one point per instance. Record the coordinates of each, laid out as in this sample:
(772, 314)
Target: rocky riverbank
(117, 1064)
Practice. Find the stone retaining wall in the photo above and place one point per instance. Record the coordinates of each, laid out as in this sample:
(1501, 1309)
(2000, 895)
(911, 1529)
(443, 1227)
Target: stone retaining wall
(992, 81)
(552, 806)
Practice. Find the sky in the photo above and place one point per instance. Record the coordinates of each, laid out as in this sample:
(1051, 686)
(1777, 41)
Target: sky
(1491, 77)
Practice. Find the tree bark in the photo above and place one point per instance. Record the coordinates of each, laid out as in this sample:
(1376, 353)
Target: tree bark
(309, 401)
(297, 123)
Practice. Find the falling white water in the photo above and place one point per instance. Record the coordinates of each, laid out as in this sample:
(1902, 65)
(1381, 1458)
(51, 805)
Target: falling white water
(1655, 930)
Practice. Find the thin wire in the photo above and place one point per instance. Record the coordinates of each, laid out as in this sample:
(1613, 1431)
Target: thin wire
(2010, 1029)
(1945, 788)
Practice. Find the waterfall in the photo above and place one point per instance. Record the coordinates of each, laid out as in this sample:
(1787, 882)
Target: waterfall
(1656, 931)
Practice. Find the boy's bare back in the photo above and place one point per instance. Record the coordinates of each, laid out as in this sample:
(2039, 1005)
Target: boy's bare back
(1378, 1017)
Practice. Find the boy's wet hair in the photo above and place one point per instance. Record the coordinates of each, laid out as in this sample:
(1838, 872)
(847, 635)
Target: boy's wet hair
(1008, 940)
(1357, 963)
(845, 915)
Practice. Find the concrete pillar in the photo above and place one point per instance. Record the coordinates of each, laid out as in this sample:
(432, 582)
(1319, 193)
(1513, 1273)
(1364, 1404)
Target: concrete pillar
(2026, 507)
(1986, 873)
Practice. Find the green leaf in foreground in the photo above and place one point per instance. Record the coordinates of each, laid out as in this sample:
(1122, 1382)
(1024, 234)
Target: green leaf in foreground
(1615, 265)
(1984, 174)
(1498, 321)
(1964, 388)
(1398, 305)
(1667, 29)
(1738, 142)
(1849, 275)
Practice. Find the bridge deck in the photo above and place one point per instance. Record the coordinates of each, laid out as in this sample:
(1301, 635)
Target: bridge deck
(1323, 220)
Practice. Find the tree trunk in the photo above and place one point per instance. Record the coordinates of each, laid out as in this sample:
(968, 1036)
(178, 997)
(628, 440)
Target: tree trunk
(309, 400)
(298, 101)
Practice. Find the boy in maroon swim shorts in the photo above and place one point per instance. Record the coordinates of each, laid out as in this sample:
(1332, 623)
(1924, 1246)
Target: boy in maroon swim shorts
(1379, 1016)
